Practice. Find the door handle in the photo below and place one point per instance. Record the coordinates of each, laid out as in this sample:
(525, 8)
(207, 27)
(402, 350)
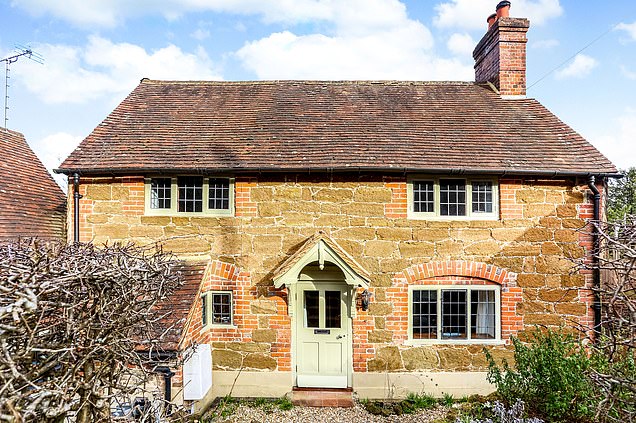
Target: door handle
(340, 336)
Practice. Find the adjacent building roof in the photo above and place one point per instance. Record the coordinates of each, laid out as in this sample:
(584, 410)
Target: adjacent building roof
(165, 126)
(174, 309)
(31, 203)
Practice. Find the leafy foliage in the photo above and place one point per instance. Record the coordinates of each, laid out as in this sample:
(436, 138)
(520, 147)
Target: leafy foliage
(621, 200)
(499, 413)
(549, 375)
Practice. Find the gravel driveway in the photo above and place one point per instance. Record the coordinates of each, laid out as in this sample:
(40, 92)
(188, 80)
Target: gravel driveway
(357, 414)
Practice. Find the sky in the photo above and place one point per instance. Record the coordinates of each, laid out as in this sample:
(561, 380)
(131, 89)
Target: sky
(581, 55)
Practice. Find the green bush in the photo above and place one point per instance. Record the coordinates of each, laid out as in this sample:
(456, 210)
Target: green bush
(549, 375)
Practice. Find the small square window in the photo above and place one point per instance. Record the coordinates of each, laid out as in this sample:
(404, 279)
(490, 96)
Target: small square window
(160, 193)
(221, 308)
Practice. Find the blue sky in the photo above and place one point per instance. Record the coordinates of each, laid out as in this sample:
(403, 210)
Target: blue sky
(96, 51)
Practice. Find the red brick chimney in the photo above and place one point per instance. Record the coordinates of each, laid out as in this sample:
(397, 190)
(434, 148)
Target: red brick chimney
(500, 56)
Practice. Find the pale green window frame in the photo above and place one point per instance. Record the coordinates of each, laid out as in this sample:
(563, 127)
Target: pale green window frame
(174, 191)
(440, 339)
(435, 214)
(209, 315)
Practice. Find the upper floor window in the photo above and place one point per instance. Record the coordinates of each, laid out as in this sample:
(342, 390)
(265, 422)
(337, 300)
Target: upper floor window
(454, 313)
(189, 194)
(453, 198)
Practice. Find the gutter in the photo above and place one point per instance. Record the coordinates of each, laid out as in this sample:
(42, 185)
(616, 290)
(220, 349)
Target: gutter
(325, 169)
(596, 249)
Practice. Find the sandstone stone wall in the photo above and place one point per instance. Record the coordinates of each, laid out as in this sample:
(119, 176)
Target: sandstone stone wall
(537, 238)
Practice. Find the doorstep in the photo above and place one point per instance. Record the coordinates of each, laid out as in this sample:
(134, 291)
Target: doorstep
(322, 397)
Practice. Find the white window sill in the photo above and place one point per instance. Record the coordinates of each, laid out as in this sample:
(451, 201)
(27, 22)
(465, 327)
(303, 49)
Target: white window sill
(424, 216)
(419, 342)
(189, 214)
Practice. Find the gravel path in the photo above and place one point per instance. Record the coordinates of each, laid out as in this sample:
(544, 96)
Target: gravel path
(357, 414)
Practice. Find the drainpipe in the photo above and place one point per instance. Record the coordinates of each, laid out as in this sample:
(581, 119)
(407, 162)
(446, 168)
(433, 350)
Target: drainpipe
(167, 386)
(596, 248)
(76, 205)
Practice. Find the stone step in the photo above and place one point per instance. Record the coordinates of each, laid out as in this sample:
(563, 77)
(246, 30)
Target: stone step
(322, 397)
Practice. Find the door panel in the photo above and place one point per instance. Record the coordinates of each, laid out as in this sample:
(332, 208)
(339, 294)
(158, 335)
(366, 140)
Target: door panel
(323, 335)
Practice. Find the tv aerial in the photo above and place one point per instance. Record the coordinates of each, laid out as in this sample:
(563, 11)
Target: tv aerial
(19, 51)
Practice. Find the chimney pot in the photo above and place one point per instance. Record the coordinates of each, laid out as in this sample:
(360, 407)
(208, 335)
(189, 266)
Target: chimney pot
(491, 19)
(503, 9)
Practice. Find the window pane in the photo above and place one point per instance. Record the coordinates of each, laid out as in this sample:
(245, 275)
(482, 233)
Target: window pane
(482, 322)
(312, 318)
(423, 196)
(454, 314)
(332, 309)
(190, 193)
(160, 193)
(222, 308)
(219, 194)
(452, 194)
(482, 197)
(424, 314)
(204, 310)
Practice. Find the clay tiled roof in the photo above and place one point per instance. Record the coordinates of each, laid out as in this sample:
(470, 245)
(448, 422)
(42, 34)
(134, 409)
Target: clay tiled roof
(31, 203)
(174, 309)
(299, 125)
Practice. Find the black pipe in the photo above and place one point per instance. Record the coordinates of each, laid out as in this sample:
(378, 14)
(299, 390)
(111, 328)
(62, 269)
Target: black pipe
(167, 386)
(596, 250)
(76, 205)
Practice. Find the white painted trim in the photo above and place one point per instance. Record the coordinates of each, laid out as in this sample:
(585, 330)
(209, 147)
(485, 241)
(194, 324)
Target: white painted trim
(173, 210)
(497, 341)
(514, 97)
(321, 251)
(411, 214)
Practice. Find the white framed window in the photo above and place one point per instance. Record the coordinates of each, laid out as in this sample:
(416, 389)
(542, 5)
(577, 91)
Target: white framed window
(454, 314)
(217, 308)
(190, 195)
(448, 197)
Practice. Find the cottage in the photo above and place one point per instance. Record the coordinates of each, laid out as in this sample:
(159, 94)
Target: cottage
(371, 235)
(31, 203)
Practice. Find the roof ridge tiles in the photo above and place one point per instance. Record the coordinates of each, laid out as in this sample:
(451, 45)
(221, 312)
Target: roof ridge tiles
(308, 82)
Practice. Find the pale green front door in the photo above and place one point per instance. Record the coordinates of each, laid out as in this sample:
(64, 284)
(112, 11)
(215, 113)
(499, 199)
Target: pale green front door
(323, 335)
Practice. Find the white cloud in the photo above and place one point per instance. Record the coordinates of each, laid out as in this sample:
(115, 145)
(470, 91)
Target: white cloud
(629, 28)
(628, 73)
(618, 145)
(53, 149)
(372, 39)
(580, 67)
(461, 45)
(109, 13)
(200, 34)
(101, 69)
(472, 14)
(545, 44)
